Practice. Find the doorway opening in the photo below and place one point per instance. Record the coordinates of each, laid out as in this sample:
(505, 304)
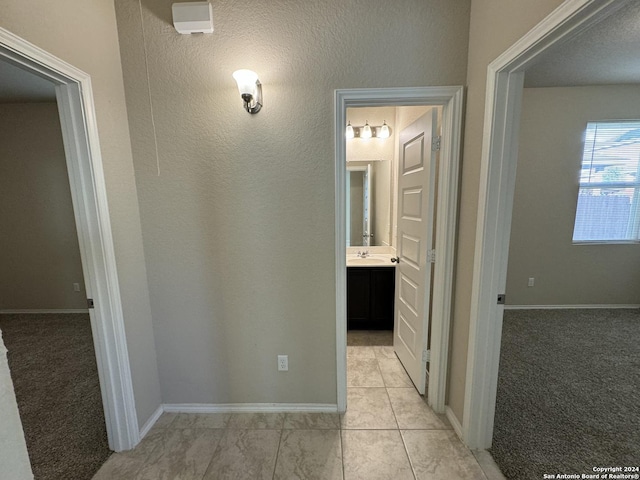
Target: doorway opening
(449, 100)
(391, 186)
(497, 185)
(88, 195)
(43, 308)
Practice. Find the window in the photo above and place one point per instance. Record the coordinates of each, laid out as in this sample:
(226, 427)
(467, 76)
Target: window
(609, 196)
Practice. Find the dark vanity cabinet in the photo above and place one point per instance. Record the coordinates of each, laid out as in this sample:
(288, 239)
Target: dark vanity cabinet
(370, 297)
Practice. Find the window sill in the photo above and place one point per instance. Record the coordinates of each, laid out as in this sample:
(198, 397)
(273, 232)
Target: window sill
(607, 242)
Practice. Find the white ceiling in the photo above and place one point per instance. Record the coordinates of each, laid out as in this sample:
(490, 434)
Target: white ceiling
(606, 54)
(18, 86)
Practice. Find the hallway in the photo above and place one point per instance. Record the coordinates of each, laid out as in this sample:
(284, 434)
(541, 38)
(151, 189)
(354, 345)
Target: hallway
(387, 433)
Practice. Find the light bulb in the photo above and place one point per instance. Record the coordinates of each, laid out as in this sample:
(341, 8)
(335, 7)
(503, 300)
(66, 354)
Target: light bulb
(384, 131)
(366, 131)
(350, 133)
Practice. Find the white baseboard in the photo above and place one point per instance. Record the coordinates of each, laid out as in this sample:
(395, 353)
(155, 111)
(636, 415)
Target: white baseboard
(567, 307)
(151, 422)
(43, 310)
(249, 407)
(488, 465)
(454, 421)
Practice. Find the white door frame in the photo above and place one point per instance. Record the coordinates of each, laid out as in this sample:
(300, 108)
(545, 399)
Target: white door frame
(358, 168)
(505, 82)
(88, 193)
(451, 99)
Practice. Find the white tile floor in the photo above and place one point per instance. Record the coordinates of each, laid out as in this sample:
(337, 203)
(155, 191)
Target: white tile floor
(387, 433)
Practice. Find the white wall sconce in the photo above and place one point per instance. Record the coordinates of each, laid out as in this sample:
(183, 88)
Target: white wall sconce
(250, 89)
(368, 131)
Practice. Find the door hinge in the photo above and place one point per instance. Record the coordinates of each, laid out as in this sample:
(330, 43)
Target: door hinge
(426, 355)
(90, 302)
(501, 298)
(435, 144)
(431, 256)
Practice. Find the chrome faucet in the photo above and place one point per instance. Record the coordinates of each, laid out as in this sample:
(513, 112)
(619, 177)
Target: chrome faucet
(363, 254)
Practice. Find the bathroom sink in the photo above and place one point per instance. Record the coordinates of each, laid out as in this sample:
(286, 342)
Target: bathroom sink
(366, 261)
(370, 261)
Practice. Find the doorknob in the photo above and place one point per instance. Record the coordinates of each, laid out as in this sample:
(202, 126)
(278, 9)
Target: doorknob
(395, 260)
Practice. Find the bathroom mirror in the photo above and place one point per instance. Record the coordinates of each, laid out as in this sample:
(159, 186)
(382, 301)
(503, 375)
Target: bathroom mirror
(368, 204)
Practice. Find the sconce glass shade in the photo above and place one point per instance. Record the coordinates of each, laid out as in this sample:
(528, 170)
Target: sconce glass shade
(384, 131)
(250, 89)
(349, 133)
(366, 131)
(247, 80)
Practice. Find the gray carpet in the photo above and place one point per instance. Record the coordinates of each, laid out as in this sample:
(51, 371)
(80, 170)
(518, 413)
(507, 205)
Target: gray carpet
(53, 368)
(568, 392)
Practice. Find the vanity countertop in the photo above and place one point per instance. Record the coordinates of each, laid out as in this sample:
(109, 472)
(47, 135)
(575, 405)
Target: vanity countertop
(373, 260)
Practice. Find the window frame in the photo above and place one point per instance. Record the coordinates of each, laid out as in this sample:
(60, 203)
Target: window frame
(634, 215)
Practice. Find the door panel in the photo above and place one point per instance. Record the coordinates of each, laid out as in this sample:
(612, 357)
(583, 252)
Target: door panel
(409, 293)
(410, 249)
(382, 301)
(412, 201)
(406, 334)
(413, 157)
(416, 186)
(358, 296)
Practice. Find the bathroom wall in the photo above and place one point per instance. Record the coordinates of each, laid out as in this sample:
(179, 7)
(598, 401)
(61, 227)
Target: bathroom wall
(84, 34)
(39, 253)
(239, 223)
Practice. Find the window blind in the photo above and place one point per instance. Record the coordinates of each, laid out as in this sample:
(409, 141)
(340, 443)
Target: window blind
(608, 207)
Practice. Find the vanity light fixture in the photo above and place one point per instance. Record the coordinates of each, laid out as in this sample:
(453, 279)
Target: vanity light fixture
(250, 89)
(367, 131)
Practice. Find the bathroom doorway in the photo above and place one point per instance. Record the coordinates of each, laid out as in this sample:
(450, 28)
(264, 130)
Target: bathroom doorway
(383, 142)
(391, 185)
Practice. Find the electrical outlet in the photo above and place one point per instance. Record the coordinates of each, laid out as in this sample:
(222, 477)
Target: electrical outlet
(76, 287)
(531, 281)
(283, 363)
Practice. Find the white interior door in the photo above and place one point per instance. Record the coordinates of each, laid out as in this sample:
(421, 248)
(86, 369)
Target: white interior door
(416, 202)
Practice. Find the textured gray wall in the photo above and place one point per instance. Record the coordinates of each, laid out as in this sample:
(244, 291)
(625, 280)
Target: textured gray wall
(239, 226)
(544, 208)
(39, 250)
